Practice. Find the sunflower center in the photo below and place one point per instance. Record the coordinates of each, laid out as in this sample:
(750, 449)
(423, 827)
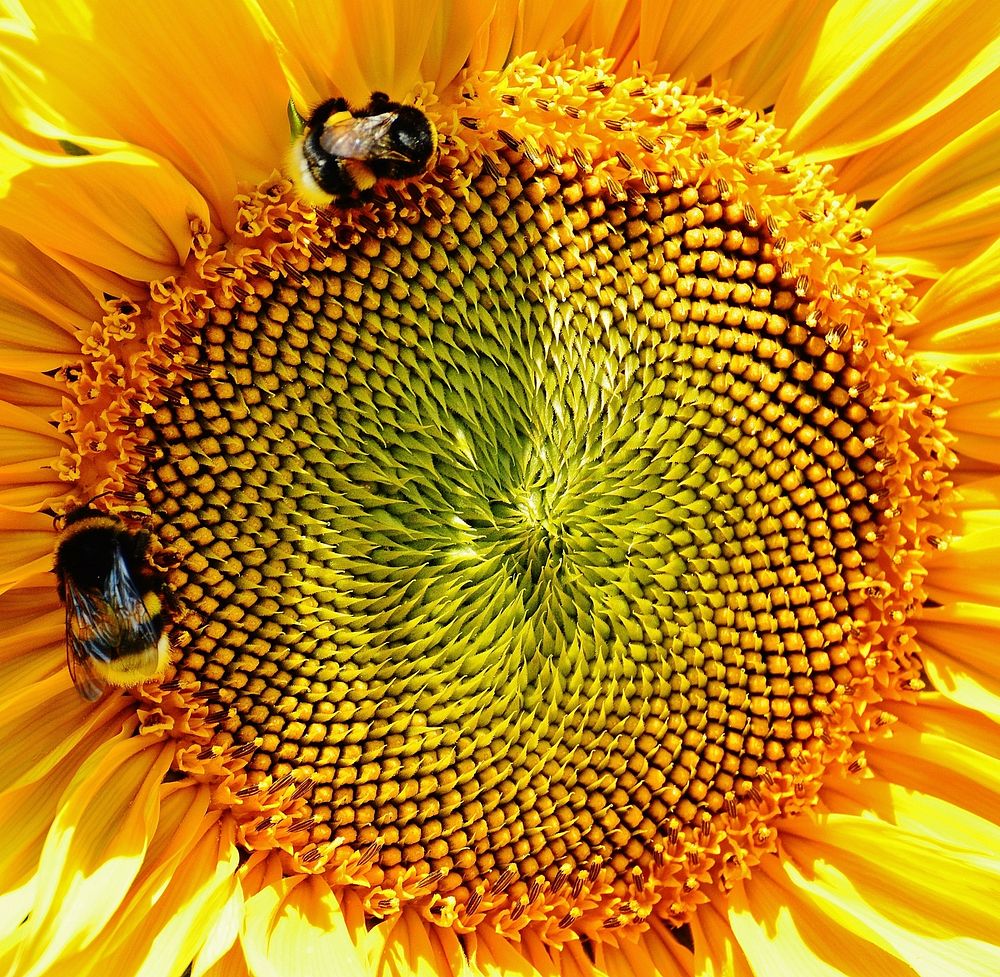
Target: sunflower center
(538, 515)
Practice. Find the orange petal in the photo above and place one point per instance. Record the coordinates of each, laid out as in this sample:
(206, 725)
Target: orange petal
(946, 210)
(655, 953)
(879, 69)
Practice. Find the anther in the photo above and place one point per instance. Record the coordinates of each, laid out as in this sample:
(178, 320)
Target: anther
(519, 907)
(535, 889)
(474, 900)
(673, 830)
(570, 918)
(310, 856)
(582, 160)
(504, 881)
(370, 851)
(281, 783)
(431, 879)
(579, 880)
(560, 880)
(509, 140)
(303, 824)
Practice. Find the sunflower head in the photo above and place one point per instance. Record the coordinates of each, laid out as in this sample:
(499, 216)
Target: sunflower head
(535, 485)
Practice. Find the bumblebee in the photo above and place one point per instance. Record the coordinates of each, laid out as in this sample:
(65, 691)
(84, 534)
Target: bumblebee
(114, 614)
(340, 152)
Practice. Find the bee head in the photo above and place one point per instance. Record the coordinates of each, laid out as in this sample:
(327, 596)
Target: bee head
(413, 136)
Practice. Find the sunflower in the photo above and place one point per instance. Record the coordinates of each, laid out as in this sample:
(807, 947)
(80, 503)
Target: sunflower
(576, 557)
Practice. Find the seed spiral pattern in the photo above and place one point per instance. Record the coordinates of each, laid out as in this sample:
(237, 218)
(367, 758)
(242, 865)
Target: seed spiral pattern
(529, 535)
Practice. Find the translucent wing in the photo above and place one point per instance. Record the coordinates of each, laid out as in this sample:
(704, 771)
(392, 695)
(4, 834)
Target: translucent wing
(362, 139)
(82, 647)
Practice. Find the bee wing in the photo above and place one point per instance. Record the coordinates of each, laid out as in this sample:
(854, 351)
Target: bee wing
(82, 648)
(362, 139)
(135, 626)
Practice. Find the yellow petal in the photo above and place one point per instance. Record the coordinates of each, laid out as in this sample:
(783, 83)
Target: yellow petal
(959, 317)
(29, 801)
(86, 867)
(221, 942)
(407, 945)
(127, 73)
(694, 38)
(233, 964)
(59, 721)
(456, 31)
(32, 648)
(758, 72)
(168, 916)
(931, 905)
(124, 210)
(717, 952)
(869, 174)
(355, 49)
(965, 570)
(780, 932)
(27, 540)
(491, 955)
(881, 68)
(975, 419)
(41, 305)
(958, 642)
(952, 792)
(946, 210)
(295, 928)
(609, 25)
